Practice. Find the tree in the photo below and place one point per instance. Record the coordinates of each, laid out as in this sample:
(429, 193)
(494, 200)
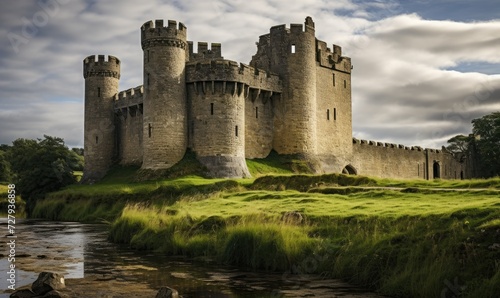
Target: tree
(5, 172)
(78, 151)
(459, 146)
(487, 132)
(75, 161)
(40, 166)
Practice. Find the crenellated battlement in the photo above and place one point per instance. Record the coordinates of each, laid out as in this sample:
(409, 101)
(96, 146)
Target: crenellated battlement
(203, 52)
(294, 29)
(103, 66)
(332, 58)
(130, 93)
(231, 71)
(387, 145)
(156, 34)
(128, 98)
(394, 146)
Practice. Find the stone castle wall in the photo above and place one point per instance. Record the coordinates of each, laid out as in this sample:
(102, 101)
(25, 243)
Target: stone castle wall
(387, 160)
(334, 124)
(129, 119)
(259, 123)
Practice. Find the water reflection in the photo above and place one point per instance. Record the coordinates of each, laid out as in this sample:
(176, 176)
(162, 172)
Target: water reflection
(80, 250)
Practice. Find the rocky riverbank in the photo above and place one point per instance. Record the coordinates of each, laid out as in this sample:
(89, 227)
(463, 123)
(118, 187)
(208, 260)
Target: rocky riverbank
(90, 286)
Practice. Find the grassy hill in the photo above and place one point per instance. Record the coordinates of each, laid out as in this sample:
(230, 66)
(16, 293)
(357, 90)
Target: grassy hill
(409, 240)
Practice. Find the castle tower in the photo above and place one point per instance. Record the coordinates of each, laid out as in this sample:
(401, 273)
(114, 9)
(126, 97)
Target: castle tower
(101, 85)
(165, 112)
(292, 54)
(217, 116)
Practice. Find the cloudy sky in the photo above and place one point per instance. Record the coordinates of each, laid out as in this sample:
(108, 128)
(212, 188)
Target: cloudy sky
(422, 69)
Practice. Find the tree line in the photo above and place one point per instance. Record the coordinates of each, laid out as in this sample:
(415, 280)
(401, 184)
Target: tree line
(39, 166)
(482, 146)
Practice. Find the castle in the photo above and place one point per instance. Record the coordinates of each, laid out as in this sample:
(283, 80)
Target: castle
(294, 97)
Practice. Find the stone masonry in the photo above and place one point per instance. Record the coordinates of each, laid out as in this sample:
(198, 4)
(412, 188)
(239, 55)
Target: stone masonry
(294, 97)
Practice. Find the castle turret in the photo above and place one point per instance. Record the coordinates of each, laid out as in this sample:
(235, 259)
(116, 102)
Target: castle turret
(165, 112)
(101, 85)
(292, 54)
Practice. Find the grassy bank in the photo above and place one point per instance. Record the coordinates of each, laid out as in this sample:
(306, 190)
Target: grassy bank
(405, 245)
(408, 242)
(20, 204)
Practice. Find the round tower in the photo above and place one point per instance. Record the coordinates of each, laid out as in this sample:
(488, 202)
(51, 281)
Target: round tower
(294, 59)
(101, 85)
(165, 112)
(217, 115)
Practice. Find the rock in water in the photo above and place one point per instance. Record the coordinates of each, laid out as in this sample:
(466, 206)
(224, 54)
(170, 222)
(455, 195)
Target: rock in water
(166, 292)
(22, 294)
(53, 294)
(46, 282)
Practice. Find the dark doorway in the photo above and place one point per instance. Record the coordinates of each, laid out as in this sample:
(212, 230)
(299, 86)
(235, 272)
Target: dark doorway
(461, 175)
(349, 170)
(436, 170)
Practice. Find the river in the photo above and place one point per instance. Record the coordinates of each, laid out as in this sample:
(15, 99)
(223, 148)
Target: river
(82, 251)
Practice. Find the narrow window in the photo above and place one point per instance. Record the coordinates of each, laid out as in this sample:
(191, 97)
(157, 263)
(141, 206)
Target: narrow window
(256, 112)
(327, 114)
(418, 170)
(293, 48)
(148, 79)
(148, 56)
(149, 130)
(96, 139)
(345, 84)
(98, 91)
(334, 113)
(333, 80)
(211, 108)
(236, 130)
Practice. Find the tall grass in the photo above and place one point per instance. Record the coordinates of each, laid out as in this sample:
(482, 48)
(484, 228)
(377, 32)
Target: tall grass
(84, 210)
(249, 241)
(270, 246)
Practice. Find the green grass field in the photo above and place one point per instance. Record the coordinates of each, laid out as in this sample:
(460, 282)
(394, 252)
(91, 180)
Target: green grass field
(403, 242)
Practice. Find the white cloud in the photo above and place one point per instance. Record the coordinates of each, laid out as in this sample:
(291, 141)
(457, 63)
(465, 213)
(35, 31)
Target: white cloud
(399, 78)
(402, 90)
